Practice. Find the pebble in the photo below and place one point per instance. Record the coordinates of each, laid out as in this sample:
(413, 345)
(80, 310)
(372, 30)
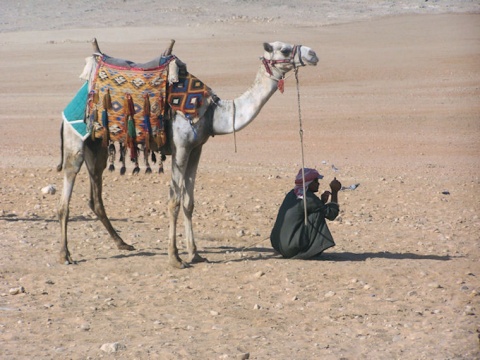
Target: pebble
(110, 348)
(256, 307)
(259, 274)
(330, 294)
(16, 291)
(49, 189)
(214, 313)
(468, 310)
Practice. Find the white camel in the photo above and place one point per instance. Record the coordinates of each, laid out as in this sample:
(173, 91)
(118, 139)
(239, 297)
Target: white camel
(186, 139)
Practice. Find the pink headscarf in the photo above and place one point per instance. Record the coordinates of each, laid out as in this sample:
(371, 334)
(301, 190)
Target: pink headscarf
(310, 175)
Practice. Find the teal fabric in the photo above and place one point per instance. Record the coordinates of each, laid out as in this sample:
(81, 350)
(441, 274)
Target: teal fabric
(74, 113)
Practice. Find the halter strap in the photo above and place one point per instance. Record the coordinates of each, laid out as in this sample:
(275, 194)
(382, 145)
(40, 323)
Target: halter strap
(269, 64)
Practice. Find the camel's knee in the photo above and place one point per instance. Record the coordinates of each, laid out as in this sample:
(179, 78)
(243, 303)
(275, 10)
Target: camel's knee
(62, 212)
(173, 206)
(188, 208)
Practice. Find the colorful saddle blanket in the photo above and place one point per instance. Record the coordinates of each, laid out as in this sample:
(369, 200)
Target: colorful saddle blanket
(127, 105)
(130, 105)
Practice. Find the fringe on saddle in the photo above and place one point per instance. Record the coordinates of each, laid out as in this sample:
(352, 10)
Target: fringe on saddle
(130, 107)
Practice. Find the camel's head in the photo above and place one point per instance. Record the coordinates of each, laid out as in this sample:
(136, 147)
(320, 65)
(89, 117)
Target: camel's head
(286, 57)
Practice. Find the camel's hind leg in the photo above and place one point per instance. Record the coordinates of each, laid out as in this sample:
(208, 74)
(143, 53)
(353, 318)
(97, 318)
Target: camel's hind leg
(72, 160)
(96, 160)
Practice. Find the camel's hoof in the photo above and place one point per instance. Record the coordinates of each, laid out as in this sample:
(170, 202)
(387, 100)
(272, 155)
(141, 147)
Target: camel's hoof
(197, 259)
(148, 170)
(123, 170)
(125, 246)
(178, 264)
(65, 259)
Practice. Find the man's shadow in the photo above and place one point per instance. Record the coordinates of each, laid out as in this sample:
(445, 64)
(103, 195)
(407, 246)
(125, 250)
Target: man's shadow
(269, 253)
(349, 256)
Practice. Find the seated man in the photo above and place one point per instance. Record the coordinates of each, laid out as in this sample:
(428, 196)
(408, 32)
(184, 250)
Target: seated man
(290, 236)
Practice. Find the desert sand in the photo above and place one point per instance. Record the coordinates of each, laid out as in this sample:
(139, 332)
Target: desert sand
(393, 105)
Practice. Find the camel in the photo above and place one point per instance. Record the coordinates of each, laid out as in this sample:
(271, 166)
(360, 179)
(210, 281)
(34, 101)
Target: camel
(186, 139)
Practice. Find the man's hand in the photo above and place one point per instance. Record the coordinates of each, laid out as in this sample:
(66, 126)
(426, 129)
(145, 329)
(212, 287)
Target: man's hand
(335, 185)
(324, 197)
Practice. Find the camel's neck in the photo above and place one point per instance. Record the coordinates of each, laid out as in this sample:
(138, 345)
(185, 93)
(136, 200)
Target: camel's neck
(237, 114)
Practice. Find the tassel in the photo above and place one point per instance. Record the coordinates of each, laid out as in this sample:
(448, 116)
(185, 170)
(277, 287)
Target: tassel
(107, 101)
(136, 170)
(146, 120)
(93, 120)
(105, 128)
(161, 137)
(123, 169)
(131, 138)
(96, 97)
(154, 157)
(281, 85)
(111, 155)
(131, 132)
(107, 105)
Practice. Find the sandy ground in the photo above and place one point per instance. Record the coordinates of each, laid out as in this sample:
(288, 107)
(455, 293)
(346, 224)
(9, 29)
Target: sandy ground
(394, 105)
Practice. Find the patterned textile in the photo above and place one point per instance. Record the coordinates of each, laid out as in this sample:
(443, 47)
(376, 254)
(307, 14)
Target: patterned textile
(128, 105)
(188, 94)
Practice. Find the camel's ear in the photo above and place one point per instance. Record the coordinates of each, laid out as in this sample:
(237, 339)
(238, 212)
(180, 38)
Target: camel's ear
(268, 47)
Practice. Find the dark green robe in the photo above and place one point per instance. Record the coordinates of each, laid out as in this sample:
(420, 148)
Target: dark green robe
(291, 238)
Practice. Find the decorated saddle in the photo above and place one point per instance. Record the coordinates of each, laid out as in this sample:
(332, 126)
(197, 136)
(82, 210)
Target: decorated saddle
(130, 105)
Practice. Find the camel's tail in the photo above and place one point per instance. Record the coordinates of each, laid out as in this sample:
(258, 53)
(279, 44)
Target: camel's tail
(60, 166)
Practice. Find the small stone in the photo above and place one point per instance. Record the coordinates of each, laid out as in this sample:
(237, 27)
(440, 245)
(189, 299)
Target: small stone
(330, 294)
(259, 274)
(49, 189)
(256, 307)
(412, 293)
(16, 291)
(468, 310)
(241, 233)
(435, 285)
(110, 348)
(214, 313)
(243, 356)
(85, 327)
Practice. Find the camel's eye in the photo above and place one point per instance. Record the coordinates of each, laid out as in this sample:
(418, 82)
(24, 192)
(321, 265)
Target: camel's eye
(286, 51)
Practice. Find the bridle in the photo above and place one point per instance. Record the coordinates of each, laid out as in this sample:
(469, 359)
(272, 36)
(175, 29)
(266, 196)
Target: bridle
(270, 64)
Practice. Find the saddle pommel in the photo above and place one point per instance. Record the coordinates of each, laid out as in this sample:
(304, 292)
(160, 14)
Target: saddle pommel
(168, 51)
(96, 48)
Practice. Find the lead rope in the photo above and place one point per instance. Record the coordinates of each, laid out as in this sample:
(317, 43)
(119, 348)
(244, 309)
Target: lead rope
(301, 143)
(234, 133)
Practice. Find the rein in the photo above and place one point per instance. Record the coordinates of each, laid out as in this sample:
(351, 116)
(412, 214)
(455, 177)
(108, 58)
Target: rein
(269, 66)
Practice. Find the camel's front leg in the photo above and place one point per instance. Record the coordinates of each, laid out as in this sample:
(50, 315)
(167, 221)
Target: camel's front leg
(96, 161)
(188, 204)
(173, 209)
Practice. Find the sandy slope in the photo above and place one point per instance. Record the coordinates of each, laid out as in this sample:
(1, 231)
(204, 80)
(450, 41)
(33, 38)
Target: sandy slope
(393, 104)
